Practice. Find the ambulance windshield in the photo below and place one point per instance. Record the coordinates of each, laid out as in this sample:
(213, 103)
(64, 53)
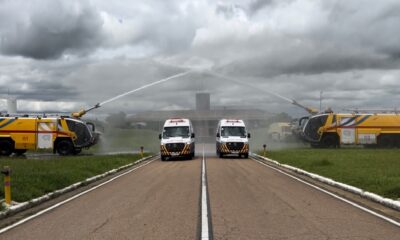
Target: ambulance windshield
(233, 132)
(176, 132)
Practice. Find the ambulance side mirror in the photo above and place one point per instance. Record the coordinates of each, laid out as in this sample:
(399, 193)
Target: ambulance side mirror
(218, 135)
(159, 136)
(192, 135)
(248, 135)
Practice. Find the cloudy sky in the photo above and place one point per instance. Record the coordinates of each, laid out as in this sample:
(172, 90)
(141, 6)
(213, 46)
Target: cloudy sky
(65, 55)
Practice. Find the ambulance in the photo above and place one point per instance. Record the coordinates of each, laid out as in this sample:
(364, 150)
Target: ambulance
(177, 139)
(232, 138)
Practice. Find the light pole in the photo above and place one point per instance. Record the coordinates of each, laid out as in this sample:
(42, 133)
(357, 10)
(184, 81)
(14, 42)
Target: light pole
(320, 101)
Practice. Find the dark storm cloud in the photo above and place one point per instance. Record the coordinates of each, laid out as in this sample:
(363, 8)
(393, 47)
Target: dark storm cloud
(348, 49)
(43, 90)
(300, 37)
(50, 28)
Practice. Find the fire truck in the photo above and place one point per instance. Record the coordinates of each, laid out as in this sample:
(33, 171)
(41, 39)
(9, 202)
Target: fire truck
(64, 135)
(335, 129)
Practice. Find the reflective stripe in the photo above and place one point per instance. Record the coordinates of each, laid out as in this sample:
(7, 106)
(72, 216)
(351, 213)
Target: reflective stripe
(7, 123)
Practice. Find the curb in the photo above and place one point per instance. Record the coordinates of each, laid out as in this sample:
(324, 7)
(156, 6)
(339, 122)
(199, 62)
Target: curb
(368, 195)
(36, 201)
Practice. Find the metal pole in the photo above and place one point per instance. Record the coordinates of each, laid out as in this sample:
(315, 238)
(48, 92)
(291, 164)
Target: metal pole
(320, 101)
(265, 149)
(7, 184)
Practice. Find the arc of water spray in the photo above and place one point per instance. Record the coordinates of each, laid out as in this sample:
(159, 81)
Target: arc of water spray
(292, 101)
(83, 112)
(250, 86)
(143, 87)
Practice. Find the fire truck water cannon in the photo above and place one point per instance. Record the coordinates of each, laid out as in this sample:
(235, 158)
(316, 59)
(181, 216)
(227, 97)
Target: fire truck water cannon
(312, 111)
(83, 111)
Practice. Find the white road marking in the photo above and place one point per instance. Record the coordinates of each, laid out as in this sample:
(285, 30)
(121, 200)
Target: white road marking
(22, 221)
(204, 202)
(334, 195)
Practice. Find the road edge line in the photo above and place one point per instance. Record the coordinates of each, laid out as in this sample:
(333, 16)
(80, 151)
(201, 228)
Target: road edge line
(356, 205)
(393, 204)
(22, 221)
(37, 201)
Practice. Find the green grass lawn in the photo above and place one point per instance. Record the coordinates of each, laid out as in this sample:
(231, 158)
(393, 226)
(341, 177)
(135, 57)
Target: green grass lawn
(33, 178)
(116, 139)
(373, 170)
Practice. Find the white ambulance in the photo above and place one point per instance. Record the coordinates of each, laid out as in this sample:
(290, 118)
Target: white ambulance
(177, 139)
(232, 138)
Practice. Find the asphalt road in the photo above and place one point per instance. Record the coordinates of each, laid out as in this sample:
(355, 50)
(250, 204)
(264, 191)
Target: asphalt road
(247, 201)
(251, 201)
(158, 201)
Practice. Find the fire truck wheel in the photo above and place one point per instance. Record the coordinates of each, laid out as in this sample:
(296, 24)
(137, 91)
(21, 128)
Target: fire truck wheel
(19, 152)
(64, 147)
(385, 141)
(6, 147)
(77, 151)
(329, 141)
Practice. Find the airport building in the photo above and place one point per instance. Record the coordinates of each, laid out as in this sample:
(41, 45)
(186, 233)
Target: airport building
(204, 117)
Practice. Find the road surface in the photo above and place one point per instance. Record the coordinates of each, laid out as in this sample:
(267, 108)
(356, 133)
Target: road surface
(246, 201)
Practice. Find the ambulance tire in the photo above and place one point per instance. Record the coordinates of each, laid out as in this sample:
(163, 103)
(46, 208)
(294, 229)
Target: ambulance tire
(65, 147)
(163, 158)
(221, 155)
(19, 152)
(246, 155)
(6, 147)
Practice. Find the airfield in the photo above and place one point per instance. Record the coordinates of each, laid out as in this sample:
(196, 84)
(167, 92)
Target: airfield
(203, 198)
(245, 199)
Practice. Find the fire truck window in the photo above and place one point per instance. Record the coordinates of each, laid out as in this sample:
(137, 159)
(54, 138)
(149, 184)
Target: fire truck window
(71, 125)
(313, 125)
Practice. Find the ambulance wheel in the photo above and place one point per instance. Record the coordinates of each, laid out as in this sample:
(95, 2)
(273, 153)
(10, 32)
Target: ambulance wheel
(246, 155)
(65, 147)
(221, 155)
(163, 158)
(6, 147)
(19, 152)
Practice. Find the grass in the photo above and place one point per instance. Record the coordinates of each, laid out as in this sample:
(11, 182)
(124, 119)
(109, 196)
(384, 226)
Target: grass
(373, 170)
(33, 178)
(116, 139)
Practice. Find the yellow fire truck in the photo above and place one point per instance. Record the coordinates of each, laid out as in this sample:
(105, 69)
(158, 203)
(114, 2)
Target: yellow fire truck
(334, 129)
(63, 135)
